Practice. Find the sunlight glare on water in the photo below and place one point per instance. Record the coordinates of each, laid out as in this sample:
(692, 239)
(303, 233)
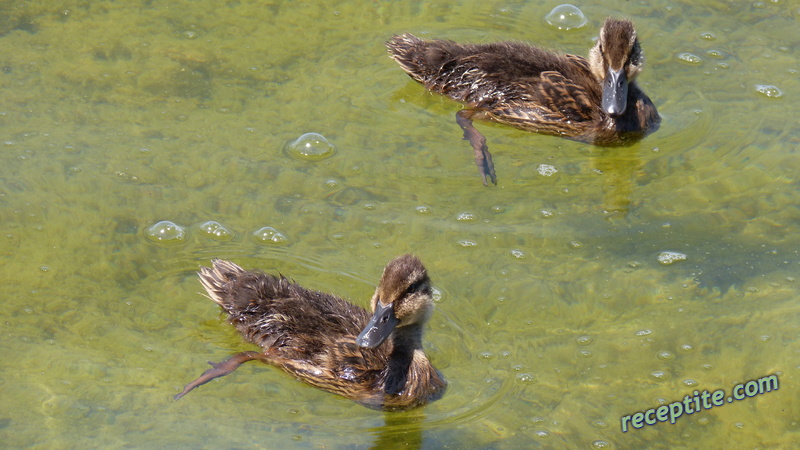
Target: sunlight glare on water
(142, 140)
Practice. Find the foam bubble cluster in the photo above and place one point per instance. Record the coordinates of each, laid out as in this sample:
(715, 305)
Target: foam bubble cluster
(668, 258)
(166, 232)
(216, 230)
(269, 235)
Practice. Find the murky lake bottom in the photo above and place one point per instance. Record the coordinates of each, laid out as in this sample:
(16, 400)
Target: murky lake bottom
(140, 140)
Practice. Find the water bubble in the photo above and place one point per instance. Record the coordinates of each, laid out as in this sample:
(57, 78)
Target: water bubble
(689, 58)
(566, 17)
(216, 230)
(166, 232)
(310, 147)
(667, 258)
(660, 375)
(665, 355)
(332, 183)
(269, 235)
(519, 254)
(526, 377)
(466, 217)
(769, 91)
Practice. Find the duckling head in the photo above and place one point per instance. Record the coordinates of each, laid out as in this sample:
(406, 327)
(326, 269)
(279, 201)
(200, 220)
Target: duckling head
(615, 61)
(402, 299)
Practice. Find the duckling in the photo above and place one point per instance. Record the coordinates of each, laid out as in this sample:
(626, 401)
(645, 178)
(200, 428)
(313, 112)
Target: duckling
(374, 359)
(595, 101)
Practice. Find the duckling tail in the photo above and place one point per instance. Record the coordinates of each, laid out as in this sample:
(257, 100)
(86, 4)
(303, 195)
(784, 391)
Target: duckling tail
(420, 59)
(219, 280)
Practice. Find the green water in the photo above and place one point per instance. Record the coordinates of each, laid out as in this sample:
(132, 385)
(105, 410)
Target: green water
(554, 316)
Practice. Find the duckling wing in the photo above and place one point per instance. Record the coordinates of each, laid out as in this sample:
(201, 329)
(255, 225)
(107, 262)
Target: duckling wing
(296, 322)
(339, 367)
(551, 104)
(561, 99)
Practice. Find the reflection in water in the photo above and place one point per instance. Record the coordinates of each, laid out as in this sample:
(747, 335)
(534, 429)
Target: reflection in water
(400, 430)
(618, 166)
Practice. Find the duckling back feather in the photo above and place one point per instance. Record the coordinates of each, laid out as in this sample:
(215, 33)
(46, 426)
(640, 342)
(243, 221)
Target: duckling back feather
(275, 312)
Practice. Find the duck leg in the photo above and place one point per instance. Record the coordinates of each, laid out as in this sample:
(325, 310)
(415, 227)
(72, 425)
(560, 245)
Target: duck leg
(220, 369)
(483, 159)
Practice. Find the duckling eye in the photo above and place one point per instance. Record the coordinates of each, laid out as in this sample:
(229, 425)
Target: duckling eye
(414, 287)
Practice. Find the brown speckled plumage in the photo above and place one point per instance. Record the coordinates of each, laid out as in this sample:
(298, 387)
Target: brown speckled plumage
(315, 336)
(595, 100)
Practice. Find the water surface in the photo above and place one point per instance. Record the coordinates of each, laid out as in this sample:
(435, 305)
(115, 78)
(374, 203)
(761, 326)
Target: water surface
(555, 317)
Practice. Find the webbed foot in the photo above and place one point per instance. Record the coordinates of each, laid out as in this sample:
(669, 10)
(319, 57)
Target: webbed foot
(221, 369)
(483, 159)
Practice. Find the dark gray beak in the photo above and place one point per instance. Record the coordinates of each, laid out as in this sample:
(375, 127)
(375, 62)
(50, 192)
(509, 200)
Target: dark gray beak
(379, 327)
(615, 92)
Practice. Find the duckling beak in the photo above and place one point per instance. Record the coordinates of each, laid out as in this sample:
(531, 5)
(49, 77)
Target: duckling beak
(615, 92)
(380, 326)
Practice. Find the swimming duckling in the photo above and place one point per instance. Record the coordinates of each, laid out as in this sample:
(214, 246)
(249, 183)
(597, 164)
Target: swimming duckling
(375, 359)
(595, 101)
